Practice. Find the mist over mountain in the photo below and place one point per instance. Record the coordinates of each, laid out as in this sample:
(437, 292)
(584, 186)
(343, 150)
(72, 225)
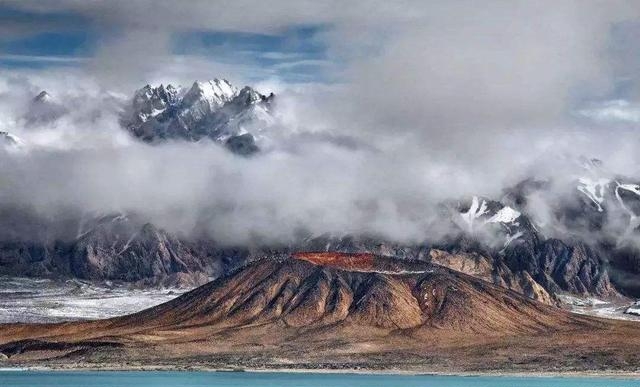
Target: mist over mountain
(480, 140)
(169, 201)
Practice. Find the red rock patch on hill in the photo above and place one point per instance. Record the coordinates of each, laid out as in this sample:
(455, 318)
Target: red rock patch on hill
(363, 262)
(357, 261)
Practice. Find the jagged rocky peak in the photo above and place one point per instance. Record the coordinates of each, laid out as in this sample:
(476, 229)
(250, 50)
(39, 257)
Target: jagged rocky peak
(43, 97)
(167, 94)
(44, 109)
(250, 96)
(150, 101)
(215, 92)
(214, 110)
(212, 94)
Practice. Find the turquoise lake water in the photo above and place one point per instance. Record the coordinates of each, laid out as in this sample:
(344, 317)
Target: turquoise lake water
(250, 379)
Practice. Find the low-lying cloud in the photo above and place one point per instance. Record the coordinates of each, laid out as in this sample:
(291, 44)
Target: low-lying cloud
(429, 102)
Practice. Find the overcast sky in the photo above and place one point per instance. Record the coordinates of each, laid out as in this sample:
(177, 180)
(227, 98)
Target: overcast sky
(455, 97)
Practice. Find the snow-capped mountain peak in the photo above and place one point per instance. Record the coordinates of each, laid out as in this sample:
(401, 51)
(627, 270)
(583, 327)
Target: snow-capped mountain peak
(505, 215)
(150, 101)
(483, 211)
(481, 216)
(43, 97)
(166, 94)
(44, 109)
(249, 96)
(215, 92)
(212, 109)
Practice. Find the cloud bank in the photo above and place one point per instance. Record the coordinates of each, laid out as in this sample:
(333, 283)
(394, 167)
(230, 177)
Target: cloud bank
(427, 102)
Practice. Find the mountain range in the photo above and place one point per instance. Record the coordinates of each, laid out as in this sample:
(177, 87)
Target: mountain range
(584, 247)
(215, 110)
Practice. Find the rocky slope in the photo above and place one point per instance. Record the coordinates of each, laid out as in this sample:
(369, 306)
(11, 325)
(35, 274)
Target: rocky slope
(586, 244)
(311, 307)
(109, 248)
(310, 290)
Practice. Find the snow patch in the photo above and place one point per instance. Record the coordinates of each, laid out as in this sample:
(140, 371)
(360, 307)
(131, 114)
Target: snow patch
(505, 215)
(594, 307)
(634, 219)
(511, 238)
(476, 210)
(634, 309)
(215, 92)
(44, 300)
(594, 190)
(635, 188)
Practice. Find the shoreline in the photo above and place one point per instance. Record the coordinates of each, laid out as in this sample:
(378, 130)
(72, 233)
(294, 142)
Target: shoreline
(354, 371)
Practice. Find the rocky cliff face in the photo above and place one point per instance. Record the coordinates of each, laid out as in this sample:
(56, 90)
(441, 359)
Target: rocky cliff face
(116, 248)
(494, 271)
(113, 248)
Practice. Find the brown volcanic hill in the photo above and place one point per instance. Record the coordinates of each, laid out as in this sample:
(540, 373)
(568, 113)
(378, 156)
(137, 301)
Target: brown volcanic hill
(319, 289)
(319, 307)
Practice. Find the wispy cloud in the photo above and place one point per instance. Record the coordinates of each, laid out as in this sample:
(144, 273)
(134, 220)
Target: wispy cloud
(44, 59)
(616, 111)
